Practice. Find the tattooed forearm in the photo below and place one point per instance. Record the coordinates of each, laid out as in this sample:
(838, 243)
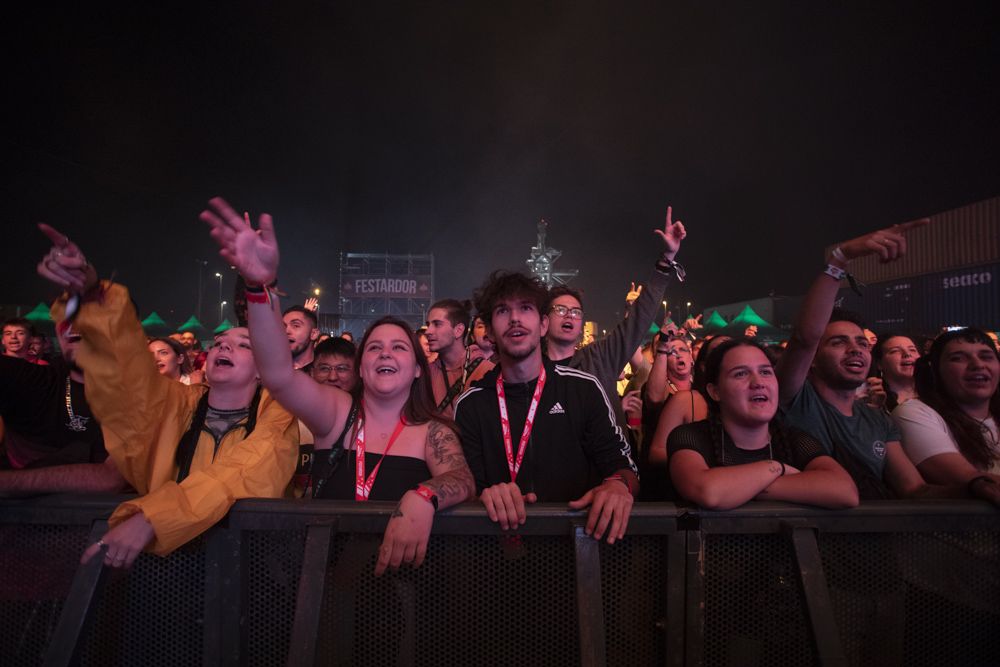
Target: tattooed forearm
(443, 446)
(452, 481)
(452, 487)
(396, 513)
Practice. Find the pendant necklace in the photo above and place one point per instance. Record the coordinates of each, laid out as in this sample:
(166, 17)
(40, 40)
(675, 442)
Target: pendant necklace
(76, 422)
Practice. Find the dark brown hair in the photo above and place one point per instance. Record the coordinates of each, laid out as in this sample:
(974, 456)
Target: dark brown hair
(502, 285)
(420, 406)
(968, 432)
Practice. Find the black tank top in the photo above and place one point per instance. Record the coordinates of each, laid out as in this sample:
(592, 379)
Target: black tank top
(397, 475)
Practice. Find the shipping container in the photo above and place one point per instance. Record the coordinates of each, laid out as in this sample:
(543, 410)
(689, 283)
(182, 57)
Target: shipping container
(966, 236)
(969, 296)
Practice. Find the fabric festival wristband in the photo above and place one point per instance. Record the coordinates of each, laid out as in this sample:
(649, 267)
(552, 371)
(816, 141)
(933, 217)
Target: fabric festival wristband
(262, 296)
(427, 494)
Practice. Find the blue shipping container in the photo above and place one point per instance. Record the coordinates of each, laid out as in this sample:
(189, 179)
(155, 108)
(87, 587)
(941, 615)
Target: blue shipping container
(967, 296)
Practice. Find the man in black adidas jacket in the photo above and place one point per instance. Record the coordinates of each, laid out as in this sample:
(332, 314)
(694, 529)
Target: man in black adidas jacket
(533, 430)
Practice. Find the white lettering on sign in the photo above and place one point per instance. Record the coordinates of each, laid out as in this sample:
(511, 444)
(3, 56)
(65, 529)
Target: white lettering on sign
(385, 285)
(967, 280)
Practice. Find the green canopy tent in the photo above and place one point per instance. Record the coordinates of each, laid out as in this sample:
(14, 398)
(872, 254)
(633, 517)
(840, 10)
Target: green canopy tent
(195, 327)
(713, 324)
(225, 326)
(41, 320)
(765, 330)
(155, 326)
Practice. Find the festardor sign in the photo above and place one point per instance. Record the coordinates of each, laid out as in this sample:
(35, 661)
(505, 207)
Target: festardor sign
(386, 286)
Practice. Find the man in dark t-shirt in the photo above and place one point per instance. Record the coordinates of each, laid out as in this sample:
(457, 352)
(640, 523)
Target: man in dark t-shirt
(51, 442)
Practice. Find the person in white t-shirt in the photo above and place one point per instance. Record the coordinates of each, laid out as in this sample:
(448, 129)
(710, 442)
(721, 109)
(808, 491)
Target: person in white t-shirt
(950, 432)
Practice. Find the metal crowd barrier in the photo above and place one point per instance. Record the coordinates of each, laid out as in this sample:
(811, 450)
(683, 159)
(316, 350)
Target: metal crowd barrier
(290, 582)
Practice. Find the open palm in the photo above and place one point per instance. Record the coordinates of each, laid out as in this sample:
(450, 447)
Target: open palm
(254, 253)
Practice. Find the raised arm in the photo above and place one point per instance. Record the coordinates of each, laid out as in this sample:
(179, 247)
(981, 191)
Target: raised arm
(619, 345)
(130, 399)
(889, 244)
(255, 255)
(657, 387)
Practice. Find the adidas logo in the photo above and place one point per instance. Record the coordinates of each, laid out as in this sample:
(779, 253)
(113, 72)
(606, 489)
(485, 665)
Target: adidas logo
(557, 409)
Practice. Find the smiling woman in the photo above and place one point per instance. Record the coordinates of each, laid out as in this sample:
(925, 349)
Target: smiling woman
(353, 437)
(193, 454)
(742, 451)
(950, 432)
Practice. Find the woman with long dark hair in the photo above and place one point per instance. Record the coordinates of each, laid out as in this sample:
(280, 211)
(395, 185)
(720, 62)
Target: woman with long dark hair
(171, 360)
(950, 432)
(392, 412)
(895, 358)
(742, 451)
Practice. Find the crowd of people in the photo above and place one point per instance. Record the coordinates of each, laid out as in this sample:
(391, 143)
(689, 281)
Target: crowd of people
(495, 400)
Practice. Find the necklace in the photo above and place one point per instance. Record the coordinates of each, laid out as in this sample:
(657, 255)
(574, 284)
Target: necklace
(76, 422)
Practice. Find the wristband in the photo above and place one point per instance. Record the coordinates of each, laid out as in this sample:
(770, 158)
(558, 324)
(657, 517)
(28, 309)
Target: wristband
(258, 295)
(835, 272)
(669, 266)
(427, 494)
(782, 468)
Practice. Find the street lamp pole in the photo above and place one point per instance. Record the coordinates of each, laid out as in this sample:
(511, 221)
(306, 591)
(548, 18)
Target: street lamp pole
(219, 276)
(201, 266)
(222, 309)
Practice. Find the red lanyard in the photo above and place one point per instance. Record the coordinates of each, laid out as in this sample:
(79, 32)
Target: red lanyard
(514, 465)
(363, 485)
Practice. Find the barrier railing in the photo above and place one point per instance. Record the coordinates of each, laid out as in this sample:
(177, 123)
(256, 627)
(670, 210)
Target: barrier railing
(287, 582)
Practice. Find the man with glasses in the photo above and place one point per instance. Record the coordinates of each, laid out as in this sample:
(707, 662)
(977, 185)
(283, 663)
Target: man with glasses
(333, 364)
(606, 358)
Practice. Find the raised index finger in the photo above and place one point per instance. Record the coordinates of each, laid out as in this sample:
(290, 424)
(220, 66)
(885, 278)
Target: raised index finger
(907, 226)
(58, 238)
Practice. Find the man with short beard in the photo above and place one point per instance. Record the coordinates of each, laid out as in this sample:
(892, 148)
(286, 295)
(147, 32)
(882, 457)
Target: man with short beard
(827, 359)
(302, 329)
(536, 431)
(606, 358)
(51, 443)
(455, 368)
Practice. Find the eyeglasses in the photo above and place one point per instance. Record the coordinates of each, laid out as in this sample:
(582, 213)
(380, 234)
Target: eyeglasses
(339, 369)
(563, 311)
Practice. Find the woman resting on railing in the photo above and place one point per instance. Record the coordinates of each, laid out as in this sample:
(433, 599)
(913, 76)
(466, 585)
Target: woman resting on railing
(426, 469)
(742, 452)
(950, 433)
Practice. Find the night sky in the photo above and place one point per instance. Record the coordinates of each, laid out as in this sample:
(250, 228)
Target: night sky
(773, 129)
